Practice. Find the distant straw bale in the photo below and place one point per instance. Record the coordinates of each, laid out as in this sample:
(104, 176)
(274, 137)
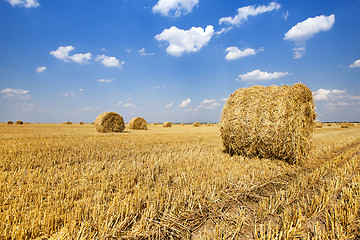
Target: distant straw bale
(138, 123)
(109, 122)
(68, 123)
(81, 123)
(155, 124)
(351, 124)
(167, 124)
(19, 122)
(183, 124)
(329, 124)
(345, 125)
(318, 125)
(208, 124)
(269, 122)
(196, 124)
(10, 122)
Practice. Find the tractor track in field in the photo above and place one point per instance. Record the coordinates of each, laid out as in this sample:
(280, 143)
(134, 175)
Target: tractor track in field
(189, 223)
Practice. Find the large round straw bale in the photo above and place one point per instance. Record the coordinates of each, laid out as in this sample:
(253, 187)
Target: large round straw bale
(269, 122)
(167, 124)
(19, 122)
(109, 122)
(138, 123)
(10, 122)
(345, 125)
(196, 124)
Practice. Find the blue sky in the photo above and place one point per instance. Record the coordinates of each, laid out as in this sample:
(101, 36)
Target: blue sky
(172, 60)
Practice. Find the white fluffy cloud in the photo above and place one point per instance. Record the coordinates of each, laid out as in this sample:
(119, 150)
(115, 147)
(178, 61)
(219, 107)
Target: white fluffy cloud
(208, 101)
(169, 105)
(185, 103)
(336, 99)
(110, 61)
(63, 54)
(329, 94)
(355, 64)
(181, 41)
(143, 52)
(258, 75)
(102, 80)
(24, 3)
(177, 7)
(208, 104)
(245, 12)
(81, 58)
(40, 69)
(15, 94)
(129, 105)
(305, 30)
(286, 15)
(234, 53)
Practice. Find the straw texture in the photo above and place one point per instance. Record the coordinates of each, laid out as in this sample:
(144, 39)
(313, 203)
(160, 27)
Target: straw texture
(167, 124)
(269, 122)
(109, 122)
(138, 123)
(196, 124)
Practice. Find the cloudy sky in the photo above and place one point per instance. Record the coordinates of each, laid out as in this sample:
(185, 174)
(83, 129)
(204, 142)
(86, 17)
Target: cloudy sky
(172, 60)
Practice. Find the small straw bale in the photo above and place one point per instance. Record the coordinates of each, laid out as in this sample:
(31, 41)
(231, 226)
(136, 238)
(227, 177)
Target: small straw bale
(19, 122)
(269, 122)
(10, 122)
(155, 124)
(329, 124)
(167, 124)
(196, 124)
(81, 123)
(208, 124)
(138, 123)
(345, 125)
(109, 122)
(68, 123)
(351, 124)
(318, 125)
(183, 124)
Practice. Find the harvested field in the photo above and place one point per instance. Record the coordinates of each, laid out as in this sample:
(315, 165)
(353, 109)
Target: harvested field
(71, 182)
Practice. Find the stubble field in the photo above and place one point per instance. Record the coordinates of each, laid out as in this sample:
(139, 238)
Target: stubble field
(70, 182)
